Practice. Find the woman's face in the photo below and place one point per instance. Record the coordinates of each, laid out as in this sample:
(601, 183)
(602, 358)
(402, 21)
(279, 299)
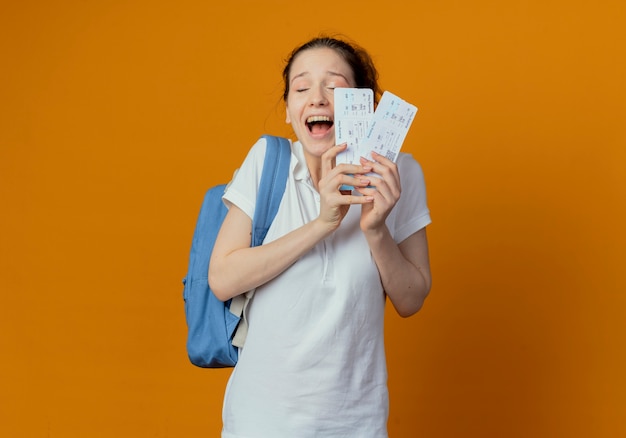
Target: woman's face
(314, 74)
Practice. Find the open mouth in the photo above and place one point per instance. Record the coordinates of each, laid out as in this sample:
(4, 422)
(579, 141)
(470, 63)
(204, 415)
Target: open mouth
(319, 125)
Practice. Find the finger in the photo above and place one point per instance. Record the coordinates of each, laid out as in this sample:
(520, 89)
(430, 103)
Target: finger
(329, 157)
(346, 183)
(353, 169)
(379, 166)
(377, 188)
(381, 159)
(378, 158)
(388, 171)
(380, 190)
(345, 175)
(354, 199)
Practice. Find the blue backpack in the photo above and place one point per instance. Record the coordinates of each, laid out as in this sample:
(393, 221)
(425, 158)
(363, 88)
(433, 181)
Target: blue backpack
(211, 323)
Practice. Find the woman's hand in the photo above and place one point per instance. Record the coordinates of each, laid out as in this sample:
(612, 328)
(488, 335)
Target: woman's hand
(335, 203)
(386, 192)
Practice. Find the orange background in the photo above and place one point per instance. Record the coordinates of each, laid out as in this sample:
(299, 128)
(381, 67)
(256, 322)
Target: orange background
(116, 116)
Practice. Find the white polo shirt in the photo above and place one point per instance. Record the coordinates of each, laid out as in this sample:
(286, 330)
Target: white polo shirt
(314, 361)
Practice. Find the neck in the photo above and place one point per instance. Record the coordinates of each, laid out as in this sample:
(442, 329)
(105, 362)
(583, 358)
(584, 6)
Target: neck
(315, 169)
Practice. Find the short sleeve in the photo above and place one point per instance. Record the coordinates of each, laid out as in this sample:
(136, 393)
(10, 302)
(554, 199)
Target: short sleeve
(242, 190)
(411, 213)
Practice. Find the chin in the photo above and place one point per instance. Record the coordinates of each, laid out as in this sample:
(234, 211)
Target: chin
(318, 147)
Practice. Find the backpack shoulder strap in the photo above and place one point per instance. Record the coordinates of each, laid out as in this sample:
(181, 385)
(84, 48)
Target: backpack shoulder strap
(270, 193)
(272, 186)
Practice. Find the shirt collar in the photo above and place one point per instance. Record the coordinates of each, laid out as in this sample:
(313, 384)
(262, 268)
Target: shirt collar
(300, 169)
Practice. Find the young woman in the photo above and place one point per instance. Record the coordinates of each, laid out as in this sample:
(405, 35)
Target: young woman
(314, 363)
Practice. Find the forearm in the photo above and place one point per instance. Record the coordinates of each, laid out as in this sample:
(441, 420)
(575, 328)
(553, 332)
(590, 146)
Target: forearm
(406, 280)
(247, 268)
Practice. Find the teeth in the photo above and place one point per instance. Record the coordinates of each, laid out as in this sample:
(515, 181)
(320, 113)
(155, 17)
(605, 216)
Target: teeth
(314, 119)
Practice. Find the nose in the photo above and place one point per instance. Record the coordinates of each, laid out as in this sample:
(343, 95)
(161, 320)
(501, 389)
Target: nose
(318, 97)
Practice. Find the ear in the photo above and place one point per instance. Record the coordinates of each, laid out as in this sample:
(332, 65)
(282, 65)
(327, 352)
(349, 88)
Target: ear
(287, 118)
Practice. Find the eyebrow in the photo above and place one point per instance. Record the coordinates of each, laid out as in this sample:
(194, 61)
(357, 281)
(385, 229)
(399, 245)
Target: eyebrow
(329, 73)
